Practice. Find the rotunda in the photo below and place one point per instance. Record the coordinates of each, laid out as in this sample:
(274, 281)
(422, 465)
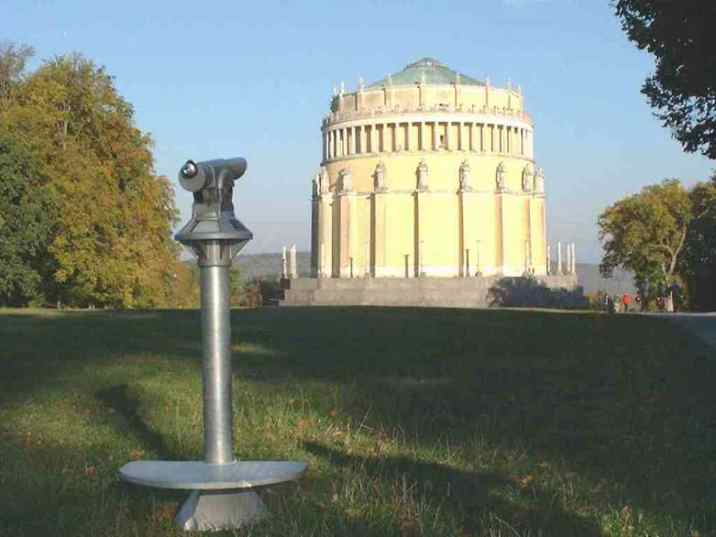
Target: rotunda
(428, 172)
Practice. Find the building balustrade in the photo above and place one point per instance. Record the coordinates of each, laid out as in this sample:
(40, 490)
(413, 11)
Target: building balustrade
(348, 115)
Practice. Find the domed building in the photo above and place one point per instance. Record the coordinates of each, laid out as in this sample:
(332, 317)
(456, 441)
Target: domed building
(428, 172)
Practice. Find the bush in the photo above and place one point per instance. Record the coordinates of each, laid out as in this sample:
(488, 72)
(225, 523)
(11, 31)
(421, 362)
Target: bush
(259, 292)
(528, 292)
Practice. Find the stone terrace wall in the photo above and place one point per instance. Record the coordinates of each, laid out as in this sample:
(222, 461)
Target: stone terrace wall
(424, 292)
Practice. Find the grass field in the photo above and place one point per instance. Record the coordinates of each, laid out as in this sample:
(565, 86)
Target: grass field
(414, 422)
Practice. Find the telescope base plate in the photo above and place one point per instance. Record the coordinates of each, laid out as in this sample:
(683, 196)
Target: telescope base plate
(222, 495)
(198, 475)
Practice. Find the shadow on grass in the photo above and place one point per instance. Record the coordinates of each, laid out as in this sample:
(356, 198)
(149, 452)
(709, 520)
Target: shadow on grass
(468, 497)
(118, 399)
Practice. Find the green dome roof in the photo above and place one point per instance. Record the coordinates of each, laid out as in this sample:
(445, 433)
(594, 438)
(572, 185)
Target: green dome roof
(428, 70)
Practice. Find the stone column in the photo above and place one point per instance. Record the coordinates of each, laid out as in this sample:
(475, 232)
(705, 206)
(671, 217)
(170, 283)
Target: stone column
(502, 232)
(530, 144)
(284, 264)
(379, 233)
(423, 136)
(574, 258)
(315, 234)
(528, 253)
(559, 257)
(482, 137)
(367, 259)
(408, 126)
(448, 141)
(435, 135)
(353, 132)
(549, 259)
(353, 246)
(325, 241)
(293, 272)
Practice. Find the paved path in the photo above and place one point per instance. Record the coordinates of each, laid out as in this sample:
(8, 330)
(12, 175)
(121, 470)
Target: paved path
(701, 324)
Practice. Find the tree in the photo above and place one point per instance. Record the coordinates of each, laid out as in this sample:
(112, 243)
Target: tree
(683, 88)
(26, 213)
(698, 263)
(645, 233)
(111, 243)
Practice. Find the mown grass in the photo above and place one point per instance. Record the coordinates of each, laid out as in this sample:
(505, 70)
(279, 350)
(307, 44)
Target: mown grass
(414, 421)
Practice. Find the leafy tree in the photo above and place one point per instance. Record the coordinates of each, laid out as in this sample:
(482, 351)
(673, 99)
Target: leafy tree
(698, 264)
(111, 244)
(683, 88)
(646, 233)
(25, 225)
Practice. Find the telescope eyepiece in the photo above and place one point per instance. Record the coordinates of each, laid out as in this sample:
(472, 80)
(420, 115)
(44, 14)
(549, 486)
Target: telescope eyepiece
(189, 170)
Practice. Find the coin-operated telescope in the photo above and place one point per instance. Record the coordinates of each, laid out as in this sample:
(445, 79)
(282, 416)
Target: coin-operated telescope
(223, 494)
(213, 233)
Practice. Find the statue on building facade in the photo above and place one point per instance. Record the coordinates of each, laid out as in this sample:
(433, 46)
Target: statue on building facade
(316, 184)
(465, 177)
(380, 177)
(500, 177)
(346, 180)
(422, 175)
(527, 179)
(323, 181)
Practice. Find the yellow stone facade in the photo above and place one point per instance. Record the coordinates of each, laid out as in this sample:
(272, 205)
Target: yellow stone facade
(428, 173)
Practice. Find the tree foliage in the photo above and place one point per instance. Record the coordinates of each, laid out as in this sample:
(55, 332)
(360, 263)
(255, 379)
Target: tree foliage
(111, 241)
(679, 34)
(698, 263)
(26, 214)
(645, 233)
(13, 59)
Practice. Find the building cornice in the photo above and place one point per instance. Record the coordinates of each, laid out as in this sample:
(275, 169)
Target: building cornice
(486, 116)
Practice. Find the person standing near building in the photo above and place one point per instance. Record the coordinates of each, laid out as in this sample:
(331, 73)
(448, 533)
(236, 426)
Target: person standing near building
(626, 301)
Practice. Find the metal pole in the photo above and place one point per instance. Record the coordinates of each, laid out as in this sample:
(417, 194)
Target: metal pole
(216, 368)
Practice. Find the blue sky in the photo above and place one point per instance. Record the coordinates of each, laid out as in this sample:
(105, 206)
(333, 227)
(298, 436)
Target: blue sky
(225, 78)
